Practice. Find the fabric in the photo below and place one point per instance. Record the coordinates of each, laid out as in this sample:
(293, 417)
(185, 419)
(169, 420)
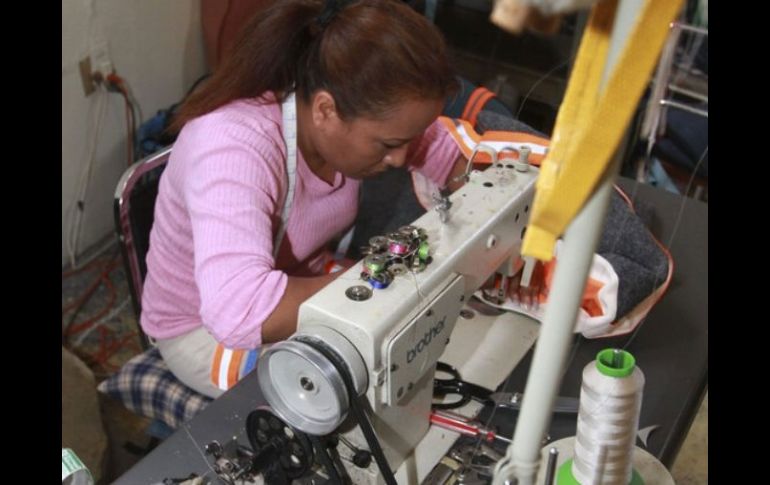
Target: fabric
(210, 260)
(598, 308)
(214, 369)
(685, 143)
(505, 144)
(630, 271)
(146, 386)
(592, 118)
(629, 274)
(471, 101)
(491, 121)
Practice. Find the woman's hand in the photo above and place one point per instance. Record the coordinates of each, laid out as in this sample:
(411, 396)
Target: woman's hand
(456, 178)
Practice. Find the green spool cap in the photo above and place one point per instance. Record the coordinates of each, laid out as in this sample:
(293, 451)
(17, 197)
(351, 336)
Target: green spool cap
(565, 477)
(615, 362)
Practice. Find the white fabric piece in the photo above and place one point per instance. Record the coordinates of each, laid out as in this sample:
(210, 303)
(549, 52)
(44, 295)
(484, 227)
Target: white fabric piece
(589, 326)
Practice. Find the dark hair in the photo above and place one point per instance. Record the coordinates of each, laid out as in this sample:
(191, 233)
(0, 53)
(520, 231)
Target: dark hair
(370, 54)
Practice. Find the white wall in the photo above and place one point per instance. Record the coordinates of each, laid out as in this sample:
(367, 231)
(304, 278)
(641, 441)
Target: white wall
(157, 47)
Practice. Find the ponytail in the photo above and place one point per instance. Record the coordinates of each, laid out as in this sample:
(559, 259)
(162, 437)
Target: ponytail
(369, 54)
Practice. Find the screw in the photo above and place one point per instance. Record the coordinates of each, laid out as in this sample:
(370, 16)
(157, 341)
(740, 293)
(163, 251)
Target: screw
(306, 384)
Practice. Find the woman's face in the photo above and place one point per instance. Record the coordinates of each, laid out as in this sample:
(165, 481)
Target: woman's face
(364, 146)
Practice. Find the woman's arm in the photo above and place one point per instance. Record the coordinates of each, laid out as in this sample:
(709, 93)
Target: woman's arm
(282, 323)
(233, 191)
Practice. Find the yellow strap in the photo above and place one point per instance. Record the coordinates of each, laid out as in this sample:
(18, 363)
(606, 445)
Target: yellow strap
(590, 123)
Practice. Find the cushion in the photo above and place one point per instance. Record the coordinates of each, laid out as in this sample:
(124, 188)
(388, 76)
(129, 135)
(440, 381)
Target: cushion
(146, 386)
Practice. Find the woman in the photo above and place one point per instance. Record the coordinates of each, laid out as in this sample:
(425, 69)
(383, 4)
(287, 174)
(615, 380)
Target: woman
(351, 89)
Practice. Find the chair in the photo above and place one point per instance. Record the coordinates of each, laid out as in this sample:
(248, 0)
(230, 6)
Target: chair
(144, 384)
(133, 210)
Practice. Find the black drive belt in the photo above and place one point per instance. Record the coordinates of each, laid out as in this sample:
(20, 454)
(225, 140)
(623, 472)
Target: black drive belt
(356, 406)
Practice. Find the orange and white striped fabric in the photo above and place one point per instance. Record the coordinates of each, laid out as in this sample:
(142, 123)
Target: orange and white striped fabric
(228, 365)
(505, 143)
(476, 101)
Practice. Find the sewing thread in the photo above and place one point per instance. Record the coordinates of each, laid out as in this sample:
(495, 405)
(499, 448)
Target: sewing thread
(610, 403)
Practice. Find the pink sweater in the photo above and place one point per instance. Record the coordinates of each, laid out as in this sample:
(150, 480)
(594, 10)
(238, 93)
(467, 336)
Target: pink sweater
(219, 206)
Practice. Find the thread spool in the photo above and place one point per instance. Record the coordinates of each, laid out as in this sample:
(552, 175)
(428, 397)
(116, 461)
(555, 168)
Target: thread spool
(424, 251)
(378, 244)
(610, 403)
(398, 245)
(380, 281)
(522, 164)
(409, 232)
(374, 264)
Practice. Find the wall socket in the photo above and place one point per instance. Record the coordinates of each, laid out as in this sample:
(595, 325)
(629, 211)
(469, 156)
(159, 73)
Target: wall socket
(95, 67)
(86, 76)
(100, 55)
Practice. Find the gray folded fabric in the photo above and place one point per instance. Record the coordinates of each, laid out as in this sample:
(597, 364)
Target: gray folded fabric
(625, 242)
(640, 263)
(489, 121)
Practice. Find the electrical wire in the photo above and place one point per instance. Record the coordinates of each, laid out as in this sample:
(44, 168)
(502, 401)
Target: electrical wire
(77, 207)
(105, 319)
(118, 84)
(538, 82)
(109, 342)
(114, 82)
(103, 278)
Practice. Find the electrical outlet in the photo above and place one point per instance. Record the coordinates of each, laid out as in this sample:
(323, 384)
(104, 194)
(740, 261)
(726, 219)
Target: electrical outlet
(89, 85)
(102, 62)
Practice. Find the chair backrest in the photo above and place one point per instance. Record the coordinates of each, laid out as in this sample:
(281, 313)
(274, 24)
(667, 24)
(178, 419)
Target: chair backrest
(667, 92)
(134, 206)
(145, 385)
(673, 129)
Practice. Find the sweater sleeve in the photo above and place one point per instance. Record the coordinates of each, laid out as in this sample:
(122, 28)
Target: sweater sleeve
(434, 153)
(233, 188)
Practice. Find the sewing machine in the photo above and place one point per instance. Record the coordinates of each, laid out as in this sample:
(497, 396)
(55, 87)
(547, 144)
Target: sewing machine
(390, 339)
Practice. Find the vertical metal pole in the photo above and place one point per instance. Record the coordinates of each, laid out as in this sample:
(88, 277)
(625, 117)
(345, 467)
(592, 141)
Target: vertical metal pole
(552, 348)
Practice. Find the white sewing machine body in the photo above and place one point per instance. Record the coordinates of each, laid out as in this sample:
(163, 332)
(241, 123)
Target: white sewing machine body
(397, 335)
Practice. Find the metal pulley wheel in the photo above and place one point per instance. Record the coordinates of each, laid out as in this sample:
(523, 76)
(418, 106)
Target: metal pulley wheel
(303, 387)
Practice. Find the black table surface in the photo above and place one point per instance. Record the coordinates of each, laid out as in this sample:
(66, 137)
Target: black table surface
(670, 346)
